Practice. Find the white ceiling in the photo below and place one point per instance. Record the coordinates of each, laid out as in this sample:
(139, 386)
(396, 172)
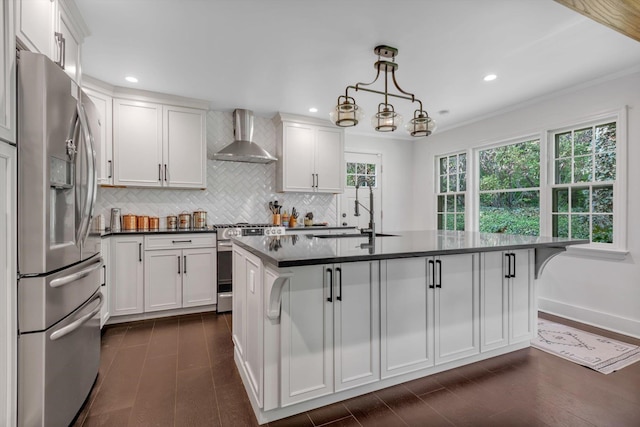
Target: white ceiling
(290, 55)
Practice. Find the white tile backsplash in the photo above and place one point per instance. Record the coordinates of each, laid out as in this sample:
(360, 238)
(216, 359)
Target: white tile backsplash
(236, 192)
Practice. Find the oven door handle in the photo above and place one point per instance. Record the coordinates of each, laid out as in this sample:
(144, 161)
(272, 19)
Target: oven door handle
(81, 321)
(224, 246)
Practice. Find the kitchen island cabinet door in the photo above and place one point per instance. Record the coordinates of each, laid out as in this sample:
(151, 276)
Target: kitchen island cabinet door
(494, 301)
(127, 275)
(7, 74)
(137, 143)
(306, 340)
(356, 324)
(457, 307)
(238, 326)
(163, 280)
(407, 316)
(199, 277)
(522, 314)
(184, 147)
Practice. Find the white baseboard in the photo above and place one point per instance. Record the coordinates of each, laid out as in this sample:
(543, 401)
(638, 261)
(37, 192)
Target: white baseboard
(591, 317)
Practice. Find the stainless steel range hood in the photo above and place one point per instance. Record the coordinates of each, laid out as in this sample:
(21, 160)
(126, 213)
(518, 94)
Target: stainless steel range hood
(243, 149)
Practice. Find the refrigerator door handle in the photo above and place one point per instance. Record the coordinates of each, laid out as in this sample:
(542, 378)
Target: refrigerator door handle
(92, 186)
(65, 280)
(81, 321)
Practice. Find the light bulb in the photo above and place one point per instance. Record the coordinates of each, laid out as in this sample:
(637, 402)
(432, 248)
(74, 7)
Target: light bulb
(386, 120)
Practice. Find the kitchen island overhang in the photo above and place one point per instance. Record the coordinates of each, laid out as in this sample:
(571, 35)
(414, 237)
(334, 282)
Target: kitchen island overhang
(320, 320)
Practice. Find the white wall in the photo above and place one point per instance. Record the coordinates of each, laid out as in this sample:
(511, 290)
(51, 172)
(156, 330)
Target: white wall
(597, 291)
(397, 177)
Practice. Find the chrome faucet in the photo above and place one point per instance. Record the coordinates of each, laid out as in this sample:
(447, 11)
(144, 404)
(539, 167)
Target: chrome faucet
(371, 231)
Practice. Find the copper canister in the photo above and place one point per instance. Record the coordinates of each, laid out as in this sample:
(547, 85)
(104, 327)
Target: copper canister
(184, 221)
(172, 222)
(143, 222)
(200, 219)
(129, 222)
(154, 223)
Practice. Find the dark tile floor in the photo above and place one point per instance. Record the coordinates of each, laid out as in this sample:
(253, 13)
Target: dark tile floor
(180, 372)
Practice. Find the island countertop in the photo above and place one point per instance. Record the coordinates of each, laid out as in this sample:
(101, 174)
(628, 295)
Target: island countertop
(300, 250)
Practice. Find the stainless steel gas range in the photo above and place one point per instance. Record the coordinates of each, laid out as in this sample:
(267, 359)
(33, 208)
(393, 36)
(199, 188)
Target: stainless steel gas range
(224, 233)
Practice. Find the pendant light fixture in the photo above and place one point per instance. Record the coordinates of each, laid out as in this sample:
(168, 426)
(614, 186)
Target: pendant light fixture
(347, 113)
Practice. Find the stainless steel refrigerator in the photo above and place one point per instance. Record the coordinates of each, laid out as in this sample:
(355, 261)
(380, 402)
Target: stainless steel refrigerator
(59, 261)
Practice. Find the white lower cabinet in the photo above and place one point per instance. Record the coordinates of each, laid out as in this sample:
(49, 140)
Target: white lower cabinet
(105, 287)
(456, 307)
(407, 316)
(330, 319)
(430, 312)
(127, 274)
(507, 305)
(163, 280)
(179, 277)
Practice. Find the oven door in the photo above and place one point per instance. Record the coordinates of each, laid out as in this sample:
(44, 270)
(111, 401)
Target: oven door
(225, 276)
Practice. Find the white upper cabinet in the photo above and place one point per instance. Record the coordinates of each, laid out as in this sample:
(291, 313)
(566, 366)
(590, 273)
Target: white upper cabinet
(34, 25)
(184, 147)
(103, 100)
(310, 155)
(7, 73)
(158, 145)
(137, 148)
(54, 28)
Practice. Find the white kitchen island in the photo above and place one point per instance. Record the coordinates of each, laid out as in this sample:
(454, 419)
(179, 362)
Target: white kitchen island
(318, 320)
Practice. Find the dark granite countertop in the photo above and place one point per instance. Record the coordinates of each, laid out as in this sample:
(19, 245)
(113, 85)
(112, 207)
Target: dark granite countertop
(299, 250)
(107, 233)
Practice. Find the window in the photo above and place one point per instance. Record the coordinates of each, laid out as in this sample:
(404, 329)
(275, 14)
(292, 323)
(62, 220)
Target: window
(584, 177)
(509, 188)
(361, 172)
(452, 187)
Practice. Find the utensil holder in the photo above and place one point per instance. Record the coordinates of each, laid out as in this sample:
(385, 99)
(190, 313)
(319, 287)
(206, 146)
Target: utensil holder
(277, 219)
(293, 222)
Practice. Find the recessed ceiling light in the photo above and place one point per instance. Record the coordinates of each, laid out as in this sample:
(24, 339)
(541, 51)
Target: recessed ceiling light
(490, 77)
(313, 110)
(131, 79)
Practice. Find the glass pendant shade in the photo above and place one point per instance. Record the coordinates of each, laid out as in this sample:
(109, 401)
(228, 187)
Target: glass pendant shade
(347, 113)
(420, 125)
(386, 119)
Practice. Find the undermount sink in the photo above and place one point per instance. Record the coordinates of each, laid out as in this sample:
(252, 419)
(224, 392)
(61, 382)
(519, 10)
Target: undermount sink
(352, 235)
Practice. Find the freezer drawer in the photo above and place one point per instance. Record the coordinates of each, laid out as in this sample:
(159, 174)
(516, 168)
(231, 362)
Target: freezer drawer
(57, 367)
(44, 300)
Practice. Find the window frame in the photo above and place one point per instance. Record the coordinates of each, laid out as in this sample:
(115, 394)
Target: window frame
(617, 249)
(465, 193)
(502, 143)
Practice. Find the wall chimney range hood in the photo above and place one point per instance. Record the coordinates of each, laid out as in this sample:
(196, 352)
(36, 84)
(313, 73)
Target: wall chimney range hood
(243, 149)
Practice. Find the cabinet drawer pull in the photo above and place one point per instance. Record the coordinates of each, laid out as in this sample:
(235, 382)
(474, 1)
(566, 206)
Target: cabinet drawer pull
(181, 241)
(431, 279)
(508, 273)
(513, 273)
(330, 298)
